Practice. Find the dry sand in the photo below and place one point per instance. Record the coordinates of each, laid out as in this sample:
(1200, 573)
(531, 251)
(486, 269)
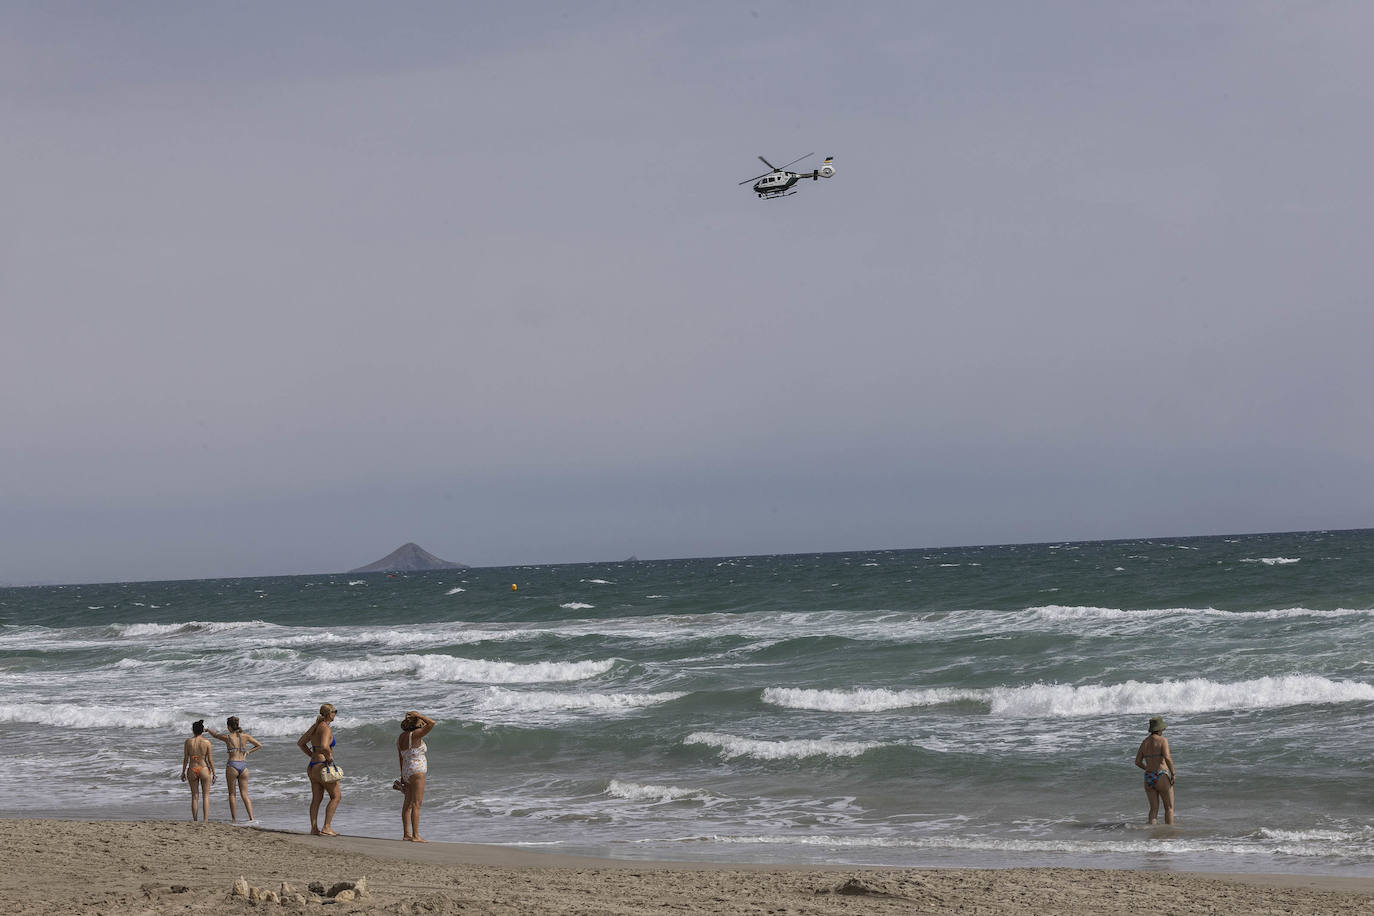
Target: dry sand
(157, 867)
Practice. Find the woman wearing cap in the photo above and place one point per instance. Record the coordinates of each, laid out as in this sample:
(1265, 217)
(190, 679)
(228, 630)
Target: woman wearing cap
(414, 766)
(1153, 757)
(318, 744)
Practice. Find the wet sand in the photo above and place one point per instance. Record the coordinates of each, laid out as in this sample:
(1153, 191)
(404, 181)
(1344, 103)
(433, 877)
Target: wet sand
(163, 867)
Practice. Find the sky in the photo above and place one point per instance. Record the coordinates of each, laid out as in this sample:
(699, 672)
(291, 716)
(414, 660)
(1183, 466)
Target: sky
(284, 286)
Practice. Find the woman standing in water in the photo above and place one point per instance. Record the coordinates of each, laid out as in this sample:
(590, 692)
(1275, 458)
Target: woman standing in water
(198, 769)
(240, 744)
(1153, 757)
(318, 745)
(414, 766)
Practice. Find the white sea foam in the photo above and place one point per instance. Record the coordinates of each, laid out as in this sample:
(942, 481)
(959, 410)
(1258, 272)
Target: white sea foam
(495, 698)
(357, 582)
(732, 746)
(1182, 696)
(1177, 845)
(866, 700)
(411, 637)
(97, 716)
(452, 668)
(144, 630)
(1061, 613)
(277, 726)
(597, 581)
(455, 590)
(72, 715)
(1063, 700)
(677, 628)
(1362, 836)
(635, 791)
(403, 637)
(576, 606)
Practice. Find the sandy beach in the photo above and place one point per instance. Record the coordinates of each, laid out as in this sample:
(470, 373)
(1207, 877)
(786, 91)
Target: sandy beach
(155, 867)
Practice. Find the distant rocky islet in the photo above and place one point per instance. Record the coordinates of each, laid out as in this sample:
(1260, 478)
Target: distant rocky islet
(409, 557)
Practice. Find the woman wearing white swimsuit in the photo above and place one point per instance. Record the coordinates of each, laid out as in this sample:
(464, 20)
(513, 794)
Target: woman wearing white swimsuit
(410, 752)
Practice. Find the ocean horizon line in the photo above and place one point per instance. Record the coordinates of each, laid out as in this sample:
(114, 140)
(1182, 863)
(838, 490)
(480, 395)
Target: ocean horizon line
(685, 558)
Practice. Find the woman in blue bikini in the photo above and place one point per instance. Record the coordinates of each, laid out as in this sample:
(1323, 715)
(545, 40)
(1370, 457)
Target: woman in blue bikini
(1153, 757)
(318, 745)
(240, 745)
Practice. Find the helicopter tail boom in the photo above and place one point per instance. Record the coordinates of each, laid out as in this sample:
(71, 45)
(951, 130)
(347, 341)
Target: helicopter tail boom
(825, 171)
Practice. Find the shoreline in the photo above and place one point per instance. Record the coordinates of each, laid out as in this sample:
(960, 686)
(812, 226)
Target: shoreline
(77, 866)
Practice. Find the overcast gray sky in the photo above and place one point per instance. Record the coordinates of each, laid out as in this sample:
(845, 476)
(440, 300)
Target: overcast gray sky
(283, 286)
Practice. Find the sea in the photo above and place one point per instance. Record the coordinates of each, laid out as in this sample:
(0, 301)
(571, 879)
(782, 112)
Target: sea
(963, 706)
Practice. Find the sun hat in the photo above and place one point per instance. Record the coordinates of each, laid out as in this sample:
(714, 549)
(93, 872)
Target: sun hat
(1156, 724)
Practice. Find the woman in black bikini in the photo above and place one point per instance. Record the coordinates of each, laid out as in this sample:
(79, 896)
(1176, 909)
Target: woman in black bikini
(318, 745)
(240, 745)
(1153, 757)
(198, 769)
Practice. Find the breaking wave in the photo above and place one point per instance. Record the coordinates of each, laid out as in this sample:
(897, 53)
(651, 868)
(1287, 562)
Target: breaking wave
(73, 715)
(731, 746)
(451, 668)
(143, 630)
(548, 701)
(1055, 612)
(1192, 695)
(634, 791)
(866, 700)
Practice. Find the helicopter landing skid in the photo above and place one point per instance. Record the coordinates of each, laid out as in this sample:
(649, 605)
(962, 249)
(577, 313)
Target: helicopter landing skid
(778, 194)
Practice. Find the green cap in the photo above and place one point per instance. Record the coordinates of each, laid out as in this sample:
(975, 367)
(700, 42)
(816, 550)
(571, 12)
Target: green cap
(1156, 724)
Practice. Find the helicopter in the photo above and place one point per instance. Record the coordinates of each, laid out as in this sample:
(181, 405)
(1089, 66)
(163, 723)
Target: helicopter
(779, 182)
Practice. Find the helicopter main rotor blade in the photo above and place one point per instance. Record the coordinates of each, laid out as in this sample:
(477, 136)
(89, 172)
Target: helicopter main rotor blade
(769, 164)
(794, 161)
(755, 178)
